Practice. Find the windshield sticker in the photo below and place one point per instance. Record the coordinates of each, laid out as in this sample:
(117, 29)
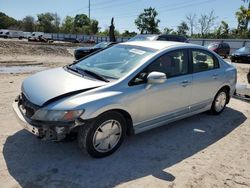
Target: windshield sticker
(137, 51)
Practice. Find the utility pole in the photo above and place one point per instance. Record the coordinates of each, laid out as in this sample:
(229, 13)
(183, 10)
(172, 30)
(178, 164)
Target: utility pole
(89, 9)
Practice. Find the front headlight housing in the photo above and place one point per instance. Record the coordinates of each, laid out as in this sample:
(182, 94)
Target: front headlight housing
(57, 115)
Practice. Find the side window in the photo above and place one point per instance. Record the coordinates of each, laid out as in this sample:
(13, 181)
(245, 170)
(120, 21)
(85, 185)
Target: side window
(203, 61)
(172, 64)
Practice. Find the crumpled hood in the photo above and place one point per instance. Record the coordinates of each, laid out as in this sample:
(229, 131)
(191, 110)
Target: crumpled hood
(46, 85)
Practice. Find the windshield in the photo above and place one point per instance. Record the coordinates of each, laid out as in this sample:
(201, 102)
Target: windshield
(102, 45)
(244, 49)
(116, 61)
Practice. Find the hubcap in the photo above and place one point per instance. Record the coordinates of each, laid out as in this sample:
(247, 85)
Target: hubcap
(220, 101)
(107, 135)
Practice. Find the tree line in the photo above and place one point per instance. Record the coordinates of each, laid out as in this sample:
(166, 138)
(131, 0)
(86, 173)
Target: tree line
(202, 26)
(195, 26)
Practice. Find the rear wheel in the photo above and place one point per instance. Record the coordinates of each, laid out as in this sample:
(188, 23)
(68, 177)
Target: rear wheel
(220, 102)
(103, 136)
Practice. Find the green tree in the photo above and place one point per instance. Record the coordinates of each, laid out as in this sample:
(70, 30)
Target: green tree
(243, 17)
(7, 22)
(94, 26)
(223, 30)
(167, 31)
(81, 20)
(126, 33)
(67, 25)
(183, 28)
(147, 23)
(45, 22)
(56, 22)
(28, 23)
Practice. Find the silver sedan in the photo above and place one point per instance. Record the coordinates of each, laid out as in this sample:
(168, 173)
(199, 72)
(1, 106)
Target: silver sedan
(125, 89)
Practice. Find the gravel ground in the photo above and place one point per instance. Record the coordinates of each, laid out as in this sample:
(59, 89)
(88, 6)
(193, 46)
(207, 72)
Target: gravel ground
(200, 151)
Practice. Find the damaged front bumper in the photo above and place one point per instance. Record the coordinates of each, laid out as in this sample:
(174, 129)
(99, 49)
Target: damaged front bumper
(45, 130)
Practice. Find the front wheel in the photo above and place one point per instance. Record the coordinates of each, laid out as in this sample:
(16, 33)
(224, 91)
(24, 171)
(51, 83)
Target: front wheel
(103, 136)
(220, 102)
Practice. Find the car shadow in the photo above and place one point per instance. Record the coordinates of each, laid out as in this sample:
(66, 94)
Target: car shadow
(35, 163)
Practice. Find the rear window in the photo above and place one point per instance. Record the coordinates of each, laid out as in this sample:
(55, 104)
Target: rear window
(203, 61)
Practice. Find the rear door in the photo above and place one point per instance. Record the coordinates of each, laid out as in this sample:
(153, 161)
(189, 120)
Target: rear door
(207, 77)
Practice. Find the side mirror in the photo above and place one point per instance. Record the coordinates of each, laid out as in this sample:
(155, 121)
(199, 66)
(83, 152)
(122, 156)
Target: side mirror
(156, 78)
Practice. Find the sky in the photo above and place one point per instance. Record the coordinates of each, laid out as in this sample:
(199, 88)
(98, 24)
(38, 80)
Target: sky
(171, 12)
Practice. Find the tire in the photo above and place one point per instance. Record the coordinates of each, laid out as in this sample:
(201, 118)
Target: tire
(233, 60)
(220, 101)
(88, 134)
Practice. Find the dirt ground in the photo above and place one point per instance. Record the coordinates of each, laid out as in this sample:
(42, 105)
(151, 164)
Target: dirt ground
(200, 151)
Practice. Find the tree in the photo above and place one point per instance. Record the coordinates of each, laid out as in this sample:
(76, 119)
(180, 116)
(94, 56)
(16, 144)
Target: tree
(45, 22)
(7, 22)
(67, 25)
(247, 1)
(94, 26)
(167, 31)
(243, 17)
(56, 22)
(126, 33)
(223, 30)
(81, 20)
(206, 22)
(28, 23)
(191, 20)
(81, 24)
(182, 29)
(147, 21)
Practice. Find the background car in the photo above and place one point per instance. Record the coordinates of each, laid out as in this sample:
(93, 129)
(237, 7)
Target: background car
(84, 51)
(223, 49)
(175, 38)
(242, 54)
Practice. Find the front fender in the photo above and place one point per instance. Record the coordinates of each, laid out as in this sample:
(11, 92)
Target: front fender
(93, 112)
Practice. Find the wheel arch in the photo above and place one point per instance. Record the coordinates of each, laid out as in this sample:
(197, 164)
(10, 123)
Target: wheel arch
(228, 89)
(124, 113)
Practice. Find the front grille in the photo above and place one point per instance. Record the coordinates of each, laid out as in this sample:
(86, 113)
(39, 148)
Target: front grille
(27, 107)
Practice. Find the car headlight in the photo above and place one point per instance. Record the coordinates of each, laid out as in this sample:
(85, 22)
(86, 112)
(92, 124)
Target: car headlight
(57, 115)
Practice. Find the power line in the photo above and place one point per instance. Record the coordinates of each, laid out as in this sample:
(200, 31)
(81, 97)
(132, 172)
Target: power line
(189, 4)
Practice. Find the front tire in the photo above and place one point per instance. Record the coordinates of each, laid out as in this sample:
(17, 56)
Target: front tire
(103, 136)
(220, 101)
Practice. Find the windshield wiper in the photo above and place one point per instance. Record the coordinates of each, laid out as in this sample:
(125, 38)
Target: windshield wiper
(71, 68)
(94, 74)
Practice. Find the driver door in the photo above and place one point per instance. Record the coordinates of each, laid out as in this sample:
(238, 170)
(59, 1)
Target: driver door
(166, 100)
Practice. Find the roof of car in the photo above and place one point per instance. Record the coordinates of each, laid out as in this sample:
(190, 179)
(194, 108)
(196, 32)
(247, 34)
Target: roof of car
(157, 45)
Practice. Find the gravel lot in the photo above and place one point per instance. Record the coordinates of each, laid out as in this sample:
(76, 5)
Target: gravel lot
(200, 151)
